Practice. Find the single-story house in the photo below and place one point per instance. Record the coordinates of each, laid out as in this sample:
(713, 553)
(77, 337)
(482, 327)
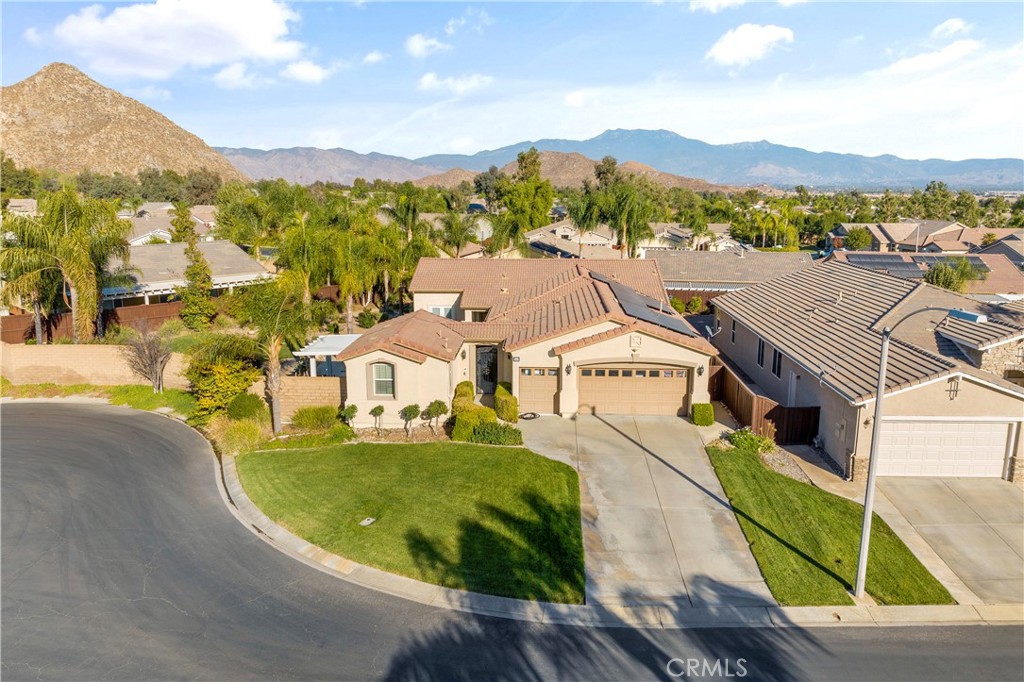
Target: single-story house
(152, 222)
(999, 281)
(918, 236)
(953, 403)
(1011, 246)
(708, 274)
(569, 336)
(159, 269)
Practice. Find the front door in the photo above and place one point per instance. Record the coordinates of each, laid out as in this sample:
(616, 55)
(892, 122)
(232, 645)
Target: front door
(486, 369)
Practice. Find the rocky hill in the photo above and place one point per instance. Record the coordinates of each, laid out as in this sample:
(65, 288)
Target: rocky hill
(450, 179)
(306, 165)
(61, 119)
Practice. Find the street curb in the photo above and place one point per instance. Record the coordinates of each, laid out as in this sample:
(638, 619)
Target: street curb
(649, 615)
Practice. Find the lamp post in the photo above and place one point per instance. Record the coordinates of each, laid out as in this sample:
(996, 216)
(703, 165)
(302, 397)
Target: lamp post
(876, 431)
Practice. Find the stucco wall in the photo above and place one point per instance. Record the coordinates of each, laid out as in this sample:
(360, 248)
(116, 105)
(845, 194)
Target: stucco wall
(414, 383)
(425, 301)
(67, 364)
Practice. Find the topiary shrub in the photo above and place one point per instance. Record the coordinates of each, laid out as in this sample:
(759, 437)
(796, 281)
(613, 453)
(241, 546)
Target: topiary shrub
(248, 406)
(317, 418)
(469, 418)
(377, 411)
(703, 414)
(496, 434)
(464, 389)
(505, 404)
(745, 439)
(435, 410)
(408, 415)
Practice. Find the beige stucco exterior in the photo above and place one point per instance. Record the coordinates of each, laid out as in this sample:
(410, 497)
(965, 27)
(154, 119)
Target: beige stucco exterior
(414, 383)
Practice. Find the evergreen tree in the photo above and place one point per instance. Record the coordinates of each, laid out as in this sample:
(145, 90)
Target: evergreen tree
(198, 309)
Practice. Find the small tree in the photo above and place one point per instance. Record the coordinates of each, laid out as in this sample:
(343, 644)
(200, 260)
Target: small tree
(377, 412)
(183, 228)
(147, 356)
(198, 309)
(952, 274)
(408, 415)
(856, 239)
(695, 305)
(988, 239)
(348, 413)
(433, 414)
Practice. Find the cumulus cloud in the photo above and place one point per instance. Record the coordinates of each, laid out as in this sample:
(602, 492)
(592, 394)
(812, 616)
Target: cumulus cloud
(306, 71)
(420, 46)
(238, 77)
(748, 43)
(374, 57)
(457, 85)
(951, 27)
(453, 25)
(476, 19)
(929, 61)
(714, 6)
(33, 36)
(150, 92)
(156, 40)
(790, 3)
(577, 99)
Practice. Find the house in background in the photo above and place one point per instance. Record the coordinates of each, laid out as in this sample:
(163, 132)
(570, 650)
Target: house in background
(1011, 246)
(569, 336)
(918, 236)
(954, 404)
(708, 274)
(151, 223)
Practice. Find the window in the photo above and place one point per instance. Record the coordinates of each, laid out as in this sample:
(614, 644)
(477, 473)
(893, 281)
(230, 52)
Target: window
(526, 372)
(478, 316)
(776, 363)
(588, 372)
(598, 372)
(680, 373)
(760, 352)
(627, 372)
(552, 372)
(383, 379)
(613, 372)
(641, 372)
(734, 331)
(442, 310)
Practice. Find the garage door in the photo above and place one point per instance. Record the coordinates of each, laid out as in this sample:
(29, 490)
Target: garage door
(942, 449)
(538, 387)
(634, 390)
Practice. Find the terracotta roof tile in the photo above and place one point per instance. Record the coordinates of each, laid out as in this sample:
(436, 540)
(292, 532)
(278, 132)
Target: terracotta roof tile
(415, 336)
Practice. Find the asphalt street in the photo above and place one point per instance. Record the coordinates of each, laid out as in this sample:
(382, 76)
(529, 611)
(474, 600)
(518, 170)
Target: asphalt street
(120, 561)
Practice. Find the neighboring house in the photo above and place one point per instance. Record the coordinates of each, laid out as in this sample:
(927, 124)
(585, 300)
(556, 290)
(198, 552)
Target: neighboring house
(152, 221)
(1000, 280)
(569, 336)
(206, 216)
(953, 405)
(927, 236)
(708, 274)
(1011, 246)
(563, 240)
(159, 269)
(27, 208)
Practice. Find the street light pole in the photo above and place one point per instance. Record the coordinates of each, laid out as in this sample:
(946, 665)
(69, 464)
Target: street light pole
(869, 493)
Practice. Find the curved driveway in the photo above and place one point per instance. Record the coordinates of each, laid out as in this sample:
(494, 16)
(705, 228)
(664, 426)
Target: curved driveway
(121, 561)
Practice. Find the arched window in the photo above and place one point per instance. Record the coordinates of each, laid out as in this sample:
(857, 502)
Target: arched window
(383, 378)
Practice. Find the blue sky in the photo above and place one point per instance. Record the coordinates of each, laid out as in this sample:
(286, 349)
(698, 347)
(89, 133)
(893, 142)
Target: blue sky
(915, 79)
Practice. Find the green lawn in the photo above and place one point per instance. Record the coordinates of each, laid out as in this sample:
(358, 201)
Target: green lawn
(501, 521)
(138, 397)
(805, 540)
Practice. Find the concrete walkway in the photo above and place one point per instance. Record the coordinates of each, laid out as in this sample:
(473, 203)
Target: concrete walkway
(656, 522)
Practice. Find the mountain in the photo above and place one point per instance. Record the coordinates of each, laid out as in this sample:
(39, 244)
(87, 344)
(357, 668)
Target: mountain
(61, 119)
(306, 165)
(750, 163)
(450, 179)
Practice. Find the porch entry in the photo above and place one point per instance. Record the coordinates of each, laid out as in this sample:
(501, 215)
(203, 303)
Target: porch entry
(486, 369)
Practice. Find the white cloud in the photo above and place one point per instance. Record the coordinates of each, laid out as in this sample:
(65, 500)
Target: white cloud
(578, 98)
(457, 85)
(33, 36)
(714, 6)
(420, 46)
(748, 43)
(476, 19)
(374, 57)
(790, 3)
(951, 27)
(156, 40)
(929, 61)
(149, 92)
(238, 77)
(306, 71)
(453, 25)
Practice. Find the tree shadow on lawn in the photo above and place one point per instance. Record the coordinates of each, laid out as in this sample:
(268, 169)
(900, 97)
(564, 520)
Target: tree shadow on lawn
(534, 555)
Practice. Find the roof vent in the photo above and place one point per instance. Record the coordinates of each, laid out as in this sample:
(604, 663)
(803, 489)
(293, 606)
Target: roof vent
(504, 290)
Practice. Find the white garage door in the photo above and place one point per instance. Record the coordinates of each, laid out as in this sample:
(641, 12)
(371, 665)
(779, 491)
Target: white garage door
(942, 449)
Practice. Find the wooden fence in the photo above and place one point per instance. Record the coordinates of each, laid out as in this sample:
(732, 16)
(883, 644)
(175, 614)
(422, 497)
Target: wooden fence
(20, 328)
(764, 416)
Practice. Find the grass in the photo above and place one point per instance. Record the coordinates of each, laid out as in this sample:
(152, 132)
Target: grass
(138, 397)
(500, 521)
(806, 540)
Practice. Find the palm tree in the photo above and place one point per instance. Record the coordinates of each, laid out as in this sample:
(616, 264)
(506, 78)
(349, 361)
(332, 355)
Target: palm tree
(278, 312)
(457, 231)
(306, 248)
(352, 269)
(510, 231)
(407, 259)
(630, 213)
(698, 234)
(406, 214)
(585, 213)
(28, 277)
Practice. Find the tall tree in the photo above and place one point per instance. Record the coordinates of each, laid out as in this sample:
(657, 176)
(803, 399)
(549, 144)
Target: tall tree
(198, 308)
(183, 227)
(486, 185)
(406, 214)
(606, 171)
(29, 276)
(585, 212)
(456, 231)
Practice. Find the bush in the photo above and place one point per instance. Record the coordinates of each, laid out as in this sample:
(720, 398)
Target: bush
(703, 414)
(408, 415)
(506, 406)
(215, 384)
(248, 406)
(348, 413)
(695, 305)
(678, 305)
(367, 318)
(745, 439)
(496, 434)
(317, 418)
(435, 410)
(464, 389)
(240, 436)
(469, 418)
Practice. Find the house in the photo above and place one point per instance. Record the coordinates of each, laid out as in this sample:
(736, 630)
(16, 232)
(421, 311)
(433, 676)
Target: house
(159, 269)
(569, 336)
(708, 274)
(927, 236)
(999, 281)
(151, 223)
(954, 400)
(1011, 246)
(563, 240)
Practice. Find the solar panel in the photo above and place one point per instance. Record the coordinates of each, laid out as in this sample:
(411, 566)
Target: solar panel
(907, 270)
(873, 260)
(975, 261)
(644, 308)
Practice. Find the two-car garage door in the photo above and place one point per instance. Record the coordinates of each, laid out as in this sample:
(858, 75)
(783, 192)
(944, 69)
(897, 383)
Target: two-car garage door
(630, 389)
(935, 448)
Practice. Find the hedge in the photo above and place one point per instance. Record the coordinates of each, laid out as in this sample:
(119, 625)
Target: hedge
(468, 418)
(496, 434)
(703, 414)
(505, 404)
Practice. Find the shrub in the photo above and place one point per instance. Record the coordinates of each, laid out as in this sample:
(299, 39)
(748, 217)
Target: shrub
(348, 413)
(248, 406)
(506, 406)
(703, 414)
(678, 305)
(464, 389)
(408, 415)
(240, 436)
(316, 418)
(496, 434)
(367, 318)
(215, 384)
(695, 305)
(433, 414)
(468, 419)
(377, 412)
(745, 439)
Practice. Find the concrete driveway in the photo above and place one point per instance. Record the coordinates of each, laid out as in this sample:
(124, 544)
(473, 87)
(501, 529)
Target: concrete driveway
(976, 525)
(656, 523)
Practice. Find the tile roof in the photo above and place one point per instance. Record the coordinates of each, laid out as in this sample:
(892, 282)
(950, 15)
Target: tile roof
(1002, 277)
(162, 266)
(739, 267)
(1011, 246)
(415, 336)
(829, 319)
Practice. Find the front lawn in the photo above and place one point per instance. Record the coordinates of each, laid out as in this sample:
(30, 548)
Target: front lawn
(805, 540)
(501, 521)
(139, 397)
